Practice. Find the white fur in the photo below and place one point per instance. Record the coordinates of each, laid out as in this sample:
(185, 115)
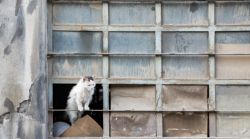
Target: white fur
(79, 98)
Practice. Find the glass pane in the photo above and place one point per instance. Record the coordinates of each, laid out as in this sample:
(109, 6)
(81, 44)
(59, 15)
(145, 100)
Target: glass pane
(233, 42)
(233, 98)
(185, 13)
(77, 42)
(232, 13)
(132, 13)
(233, 125)
(129, 97)
(132, 67)
(185, 67)
(185, 42)
(76, 13)
(77, 66)
(132, 42)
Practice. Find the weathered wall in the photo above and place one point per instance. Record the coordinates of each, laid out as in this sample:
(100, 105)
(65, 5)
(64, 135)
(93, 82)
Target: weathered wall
(22, 62)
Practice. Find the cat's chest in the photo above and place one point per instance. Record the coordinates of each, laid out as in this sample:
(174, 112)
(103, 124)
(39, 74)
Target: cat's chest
(86, 94)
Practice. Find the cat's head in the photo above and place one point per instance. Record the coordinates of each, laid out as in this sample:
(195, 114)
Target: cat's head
(88, 82)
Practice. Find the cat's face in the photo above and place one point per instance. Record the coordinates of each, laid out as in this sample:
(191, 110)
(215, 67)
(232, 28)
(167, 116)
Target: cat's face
(89, 82)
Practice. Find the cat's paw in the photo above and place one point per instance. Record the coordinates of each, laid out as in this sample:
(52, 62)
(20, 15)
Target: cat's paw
(80, 108)
(86, 108)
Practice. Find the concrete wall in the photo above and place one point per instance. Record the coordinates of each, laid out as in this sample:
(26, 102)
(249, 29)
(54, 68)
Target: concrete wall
(23, 69)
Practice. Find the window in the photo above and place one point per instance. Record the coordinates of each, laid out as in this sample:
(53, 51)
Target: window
(163, 68)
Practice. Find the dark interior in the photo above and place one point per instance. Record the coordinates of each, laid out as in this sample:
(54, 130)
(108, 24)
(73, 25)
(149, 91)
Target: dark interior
(60, 94)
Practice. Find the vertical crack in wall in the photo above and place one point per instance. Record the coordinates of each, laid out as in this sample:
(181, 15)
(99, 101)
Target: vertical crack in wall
(25, 105)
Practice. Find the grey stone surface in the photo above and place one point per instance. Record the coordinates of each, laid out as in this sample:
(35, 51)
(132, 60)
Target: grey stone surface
(22, 76)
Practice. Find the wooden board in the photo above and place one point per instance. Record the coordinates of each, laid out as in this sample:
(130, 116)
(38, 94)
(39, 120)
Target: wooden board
(233, 67)
(185, 124)
(133, 124)
(132, 97)
(181, 98)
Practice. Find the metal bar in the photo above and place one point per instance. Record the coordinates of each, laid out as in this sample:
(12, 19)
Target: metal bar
(77, 27)
(211, 91)
(75, 1)
(106, 125)
(147, 1)
(51, 54)
(232, 1)
(191, 28)
(48, 8)
(159, 120)
(75, 137)
(159, 116)
(183, 2)
(98, 1)
(212, 124)
(232, 27)
(105, 96)
(158, 67)
(149, 138)
(138, 81)
(174, 111)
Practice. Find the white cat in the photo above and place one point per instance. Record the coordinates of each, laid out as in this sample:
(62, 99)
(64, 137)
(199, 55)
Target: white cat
(80, 95)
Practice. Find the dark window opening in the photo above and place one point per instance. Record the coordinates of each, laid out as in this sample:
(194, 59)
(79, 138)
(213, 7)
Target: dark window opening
(60, 96)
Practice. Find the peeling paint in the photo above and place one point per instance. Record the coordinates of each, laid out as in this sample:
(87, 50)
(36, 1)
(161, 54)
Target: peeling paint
(23, 108)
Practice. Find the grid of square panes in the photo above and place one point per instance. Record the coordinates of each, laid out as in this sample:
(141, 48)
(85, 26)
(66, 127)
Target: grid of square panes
(159, 60)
